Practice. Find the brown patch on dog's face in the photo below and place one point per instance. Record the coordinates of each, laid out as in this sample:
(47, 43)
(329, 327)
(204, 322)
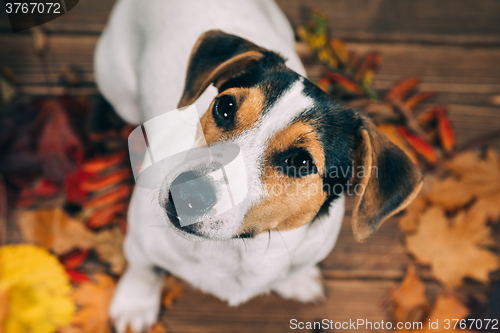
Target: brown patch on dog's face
(250, 104)
(290, 202)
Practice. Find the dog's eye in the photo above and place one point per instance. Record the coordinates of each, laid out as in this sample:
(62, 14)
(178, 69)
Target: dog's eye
(300, 164)
(224, 110)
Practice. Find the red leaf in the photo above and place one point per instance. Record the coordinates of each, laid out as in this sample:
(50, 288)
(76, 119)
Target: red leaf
(75, 193)
(402, 89)
(105, 215)
(77, 277)
(422, 147)
(430, 115)
(103, 162)
(446, 135)
(74, 259)
(96, 183)
(41, 190)
(118, 194)
(345, 83)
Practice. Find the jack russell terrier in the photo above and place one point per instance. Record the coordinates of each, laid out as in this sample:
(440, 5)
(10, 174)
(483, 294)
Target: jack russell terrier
(236, 60)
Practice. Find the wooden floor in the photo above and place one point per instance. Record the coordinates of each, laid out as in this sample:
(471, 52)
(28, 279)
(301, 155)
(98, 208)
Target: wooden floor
(452, 45)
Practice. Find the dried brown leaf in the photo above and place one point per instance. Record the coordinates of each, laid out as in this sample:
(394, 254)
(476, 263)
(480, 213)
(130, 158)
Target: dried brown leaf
(453, 249)
(109, 247)
(55, 230)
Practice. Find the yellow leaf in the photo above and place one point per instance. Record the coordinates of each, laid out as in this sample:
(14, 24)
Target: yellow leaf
(38, 288)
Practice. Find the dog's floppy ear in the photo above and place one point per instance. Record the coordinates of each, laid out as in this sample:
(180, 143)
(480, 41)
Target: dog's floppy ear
(389, 180)
(216, 57)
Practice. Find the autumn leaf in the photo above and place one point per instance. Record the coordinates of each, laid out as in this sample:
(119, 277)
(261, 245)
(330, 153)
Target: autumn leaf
(57, 142)
(74, 259)
(392, 134)
(93, 298)
(172, 289)
(445, 307)
(445, 131)
(410, 303)
(113, 196)
(105, 215)
(101, 163)
(422, 147)
(38, 290)
(109, 247)
(55, 230)
(452, 249)
(4, 307)
(402, 89)
(414, 101)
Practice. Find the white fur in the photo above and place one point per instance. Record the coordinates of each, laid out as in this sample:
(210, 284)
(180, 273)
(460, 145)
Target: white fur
(141, 61)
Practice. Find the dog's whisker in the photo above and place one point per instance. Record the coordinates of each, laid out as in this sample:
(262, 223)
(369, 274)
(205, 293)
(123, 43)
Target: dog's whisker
(286, 246)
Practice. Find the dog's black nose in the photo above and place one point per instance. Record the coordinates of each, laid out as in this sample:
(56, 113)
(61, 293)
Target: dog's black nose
(192, 195)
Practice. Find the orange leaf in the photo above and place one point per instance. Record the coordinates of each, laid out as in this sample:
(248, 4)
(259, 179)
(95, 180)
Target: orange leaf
(120, 193)
(340, 50)
(324, 84)
(345, 83)
(410, 303)
(426, 117)
(422, 147)
(103, 162)
(414, 101)
(96, 183)
(402, 89)
(105, 215)
(74, 259)
(4, 307)
(93, 298)
(446, 135)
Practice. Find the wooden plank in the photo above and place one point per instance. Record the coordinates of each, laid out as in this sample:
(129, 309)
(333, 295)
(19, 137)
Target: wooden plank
(382, 256)
(428, 21)
(421, 21)
(346, 299)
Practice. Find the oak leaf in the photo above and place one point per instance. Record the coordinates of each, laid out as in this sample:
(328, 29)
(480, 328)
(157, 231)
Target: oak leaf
(453, 250)
(55, 230)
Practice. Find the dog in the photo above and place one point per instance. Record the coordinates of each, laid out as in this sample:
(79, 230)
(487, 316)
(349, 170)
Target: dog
(236, 61)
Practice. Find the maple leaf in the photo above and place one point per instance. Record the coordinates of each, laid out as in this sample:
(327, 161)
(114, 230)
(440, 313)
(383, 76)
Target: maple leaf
(453, 251)
(38, 290)
(109, 247)
(93, 298)
(445, 307)
(472, 178)
(55, 230)
(410, 303)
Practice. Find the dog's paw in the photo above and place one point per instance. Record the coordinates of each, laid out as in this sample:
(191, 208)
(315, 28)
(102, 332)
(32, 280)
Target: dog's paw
(305, 287)
(135, 305)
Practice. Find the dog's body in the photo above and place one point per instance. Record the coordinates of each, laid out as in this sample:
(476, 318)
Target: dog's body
(268, 242)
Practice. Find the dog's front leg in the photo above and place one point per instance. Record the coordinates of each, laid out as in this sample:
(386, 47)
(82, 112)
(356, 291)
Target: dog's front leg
(136, 301)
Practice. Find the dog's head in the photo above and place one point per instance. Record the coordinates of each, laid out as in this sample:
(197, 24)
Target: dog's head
(301, 150)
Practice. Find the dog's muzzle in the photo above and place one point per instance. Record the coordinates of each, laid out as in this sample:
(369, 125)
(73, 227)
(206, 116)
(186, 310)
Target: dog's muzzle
(169, 152)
